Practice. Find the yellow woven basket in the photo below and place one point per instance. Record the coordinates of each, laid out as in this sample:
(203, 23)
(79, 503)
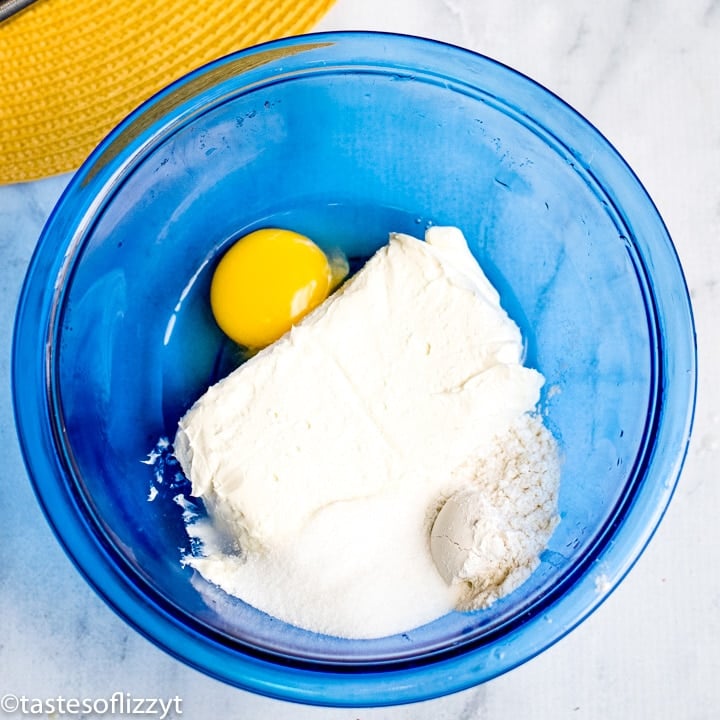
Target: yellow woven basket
(72, 69)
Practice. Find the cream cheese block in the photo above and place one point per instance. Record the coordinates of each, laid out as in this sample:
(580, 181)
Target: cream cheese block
(322, 460)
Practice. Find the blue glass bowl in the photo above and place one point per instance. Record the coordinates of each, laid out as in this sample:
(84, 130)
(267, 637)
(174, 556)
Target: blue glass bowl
(345, 137)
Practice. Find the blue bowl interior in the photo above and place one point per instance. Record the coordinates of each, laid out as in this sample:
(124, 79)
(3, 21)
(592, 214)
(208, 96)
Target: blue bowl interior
(346, 140)
(337, 155)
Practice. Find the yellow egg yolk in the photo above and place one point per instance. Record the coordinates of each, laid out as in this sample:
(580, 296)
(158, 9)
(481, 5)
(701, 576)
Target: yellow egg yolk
(267, 281)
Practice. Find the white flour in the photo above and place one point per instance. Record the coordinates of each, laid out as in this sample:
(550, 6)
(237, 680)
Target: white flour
(489, 534)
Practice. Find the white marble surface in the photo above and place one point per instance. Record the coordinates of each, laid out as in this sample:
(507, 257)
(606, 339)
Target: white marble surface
(646, 72)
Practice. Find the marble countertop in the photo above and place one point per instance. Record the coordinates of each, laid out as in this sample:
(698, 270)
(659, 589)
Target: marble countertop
(646, 74)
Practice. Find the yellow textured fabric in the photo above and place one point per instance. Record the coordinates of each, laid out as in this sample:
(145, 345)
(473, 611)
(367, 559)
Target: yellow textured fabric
(72, 69)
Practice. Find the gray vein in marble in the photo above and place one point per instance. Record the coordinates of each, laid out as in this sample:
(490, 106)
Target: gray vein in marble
(579, 39)
(617, 51)
(476, 707)
(711, 10)
(458, 13)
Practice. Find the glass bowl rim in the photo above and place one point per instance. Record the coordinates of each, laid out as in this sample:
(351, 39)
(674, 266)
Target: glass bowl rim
(127, 596)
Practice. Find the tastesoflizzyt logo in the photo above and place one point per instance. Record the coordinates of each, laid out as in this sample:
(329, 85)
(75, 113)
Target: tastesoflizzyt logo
(123, 704)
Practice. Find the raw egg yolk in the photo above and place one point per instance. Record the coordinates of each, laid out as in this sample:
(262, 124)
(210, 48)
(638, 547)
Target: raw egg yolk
(267, 281)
